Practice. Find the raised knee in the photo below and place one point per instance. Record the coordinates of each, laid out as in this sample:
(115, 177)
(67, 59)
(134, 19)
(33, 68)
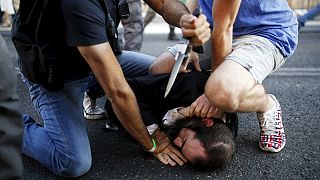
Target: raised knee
(223, 96)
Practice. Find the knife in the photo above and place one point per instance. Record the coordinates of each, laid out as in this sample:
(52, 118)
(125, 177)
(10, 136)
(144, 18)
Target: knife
(183, 52)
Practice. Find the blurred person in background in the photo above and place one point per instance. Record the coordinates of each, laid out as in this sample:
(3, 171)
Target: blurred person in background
(11, 124)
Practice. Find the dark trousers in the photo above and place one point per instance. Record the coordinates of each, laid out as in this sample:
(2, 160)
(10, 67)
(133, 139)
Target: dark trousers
(10, 119)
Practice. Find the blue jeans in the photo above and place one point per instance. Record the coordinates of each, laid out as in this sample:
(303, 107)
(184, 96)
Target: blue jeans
(133, 64)
(62, 143)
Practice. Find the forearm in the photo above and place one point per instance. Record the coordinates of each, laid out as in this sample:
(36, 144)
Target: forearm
(223, 28)
(170, 10)
(163, 64)
(221, 47)
(109, 74)
(127, 111)
(125, 106)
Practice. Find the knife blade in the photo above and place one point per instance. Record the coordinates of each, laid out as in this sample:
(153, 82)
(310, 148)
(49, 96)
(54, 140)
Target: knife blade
(183, 52)
(180, 56)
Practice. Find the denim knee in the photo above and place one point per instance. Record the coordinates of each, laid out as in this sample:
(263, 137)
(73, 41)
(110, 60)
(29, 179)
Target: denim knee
(73, 167)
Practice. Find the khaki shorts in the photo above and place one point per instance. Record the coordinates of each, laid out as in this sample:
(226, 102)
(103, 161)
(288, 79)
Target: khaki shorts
(257, 54)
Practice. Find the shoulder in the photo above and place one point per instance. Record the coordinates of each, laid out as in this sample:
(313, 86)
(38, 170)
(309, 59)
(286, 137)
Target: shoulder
(88, 11)
(87, 6)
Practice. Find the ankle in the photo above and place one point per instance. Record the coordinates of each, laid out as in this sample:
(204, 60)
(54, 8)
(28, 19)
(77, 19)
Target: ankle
(270, 104)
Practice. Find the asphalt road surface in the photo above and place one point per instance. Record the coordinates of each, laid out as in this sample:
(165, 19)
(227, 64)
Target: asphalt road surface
(297, 87)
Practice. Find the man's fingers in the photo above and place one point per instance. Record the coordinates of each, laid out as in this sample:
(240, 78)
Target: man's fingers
(218, 113)
(194, 58)
(197, 66)
(176, 158)
(211, 111)
(186, 70)
(188, 21)
(167, 157)
(198, 110)
(214, 112)
(179, 156)
(200, 39)
(204, 111)
(196, 28)
(191, 22)
(184, 66)
(192, 108)
(161, 158)
(201, 20)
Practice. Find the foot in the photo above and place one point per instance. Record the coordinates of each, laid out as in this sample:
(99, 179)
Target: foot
(90, 109)
(272, 135)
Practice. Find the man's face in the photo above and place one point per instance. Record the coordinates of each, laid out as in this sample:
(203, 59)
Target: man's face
(190, 146)
(183, 134)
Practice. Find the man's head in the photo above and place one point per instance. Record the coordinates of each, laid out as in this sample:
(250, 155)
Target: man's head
(204, 142)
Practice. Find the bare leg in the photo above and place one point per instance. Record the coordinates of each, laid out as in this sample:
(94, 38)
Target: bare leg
(232, 88)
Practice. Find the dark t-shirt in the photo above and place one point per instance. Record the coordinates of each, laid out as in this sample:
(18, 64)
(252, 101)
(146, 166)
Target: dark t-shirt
(84, 25)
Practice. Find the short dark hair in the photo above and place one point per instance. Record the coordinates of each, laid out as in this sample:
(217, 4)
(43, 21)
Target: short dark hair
(218, 141)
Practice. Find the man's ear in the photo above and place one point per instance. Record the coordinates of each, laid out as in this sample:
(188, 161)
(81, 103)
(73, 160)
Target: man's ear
(207, 122)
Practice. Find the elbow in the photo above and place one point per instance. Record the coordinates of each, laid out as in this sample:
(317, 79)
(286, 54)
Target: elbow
(152, 69)
(225, 27)
(119, 93)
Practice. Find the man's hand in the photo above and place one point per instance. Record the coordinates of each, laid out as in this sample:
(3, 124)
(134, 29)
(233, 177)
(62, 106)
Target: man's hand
(201, 107)
(169, 154)
(184, 111)
(194, 60)
(195, 29)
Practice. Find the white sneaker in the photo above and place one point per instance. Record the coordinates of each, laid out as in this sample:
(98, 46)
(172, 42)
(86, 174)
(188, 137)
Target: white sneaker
(90, 109)
(272, 135)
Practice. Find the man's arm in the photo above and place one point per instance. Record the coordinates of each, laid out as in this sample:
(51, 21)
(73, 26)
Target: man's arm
(170, 10)
(165, 62)
(224, 13)
(110, 76)
(176, 13)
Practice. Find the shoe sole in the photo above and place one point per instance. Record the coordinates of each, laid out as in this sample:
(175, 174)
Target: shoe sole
(272, 150)
(93, 117)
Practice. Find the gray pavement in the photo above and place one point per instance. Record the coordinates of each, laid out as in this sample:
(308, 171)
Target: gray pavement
(297, 87)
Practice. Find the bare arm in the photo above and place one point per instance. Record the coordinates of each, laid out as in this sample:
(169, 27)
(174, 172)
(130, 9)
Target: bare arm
(170, 10)
(165, 62)
(176, 13)
(192, 5)
(224, 14)
(110, 76)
